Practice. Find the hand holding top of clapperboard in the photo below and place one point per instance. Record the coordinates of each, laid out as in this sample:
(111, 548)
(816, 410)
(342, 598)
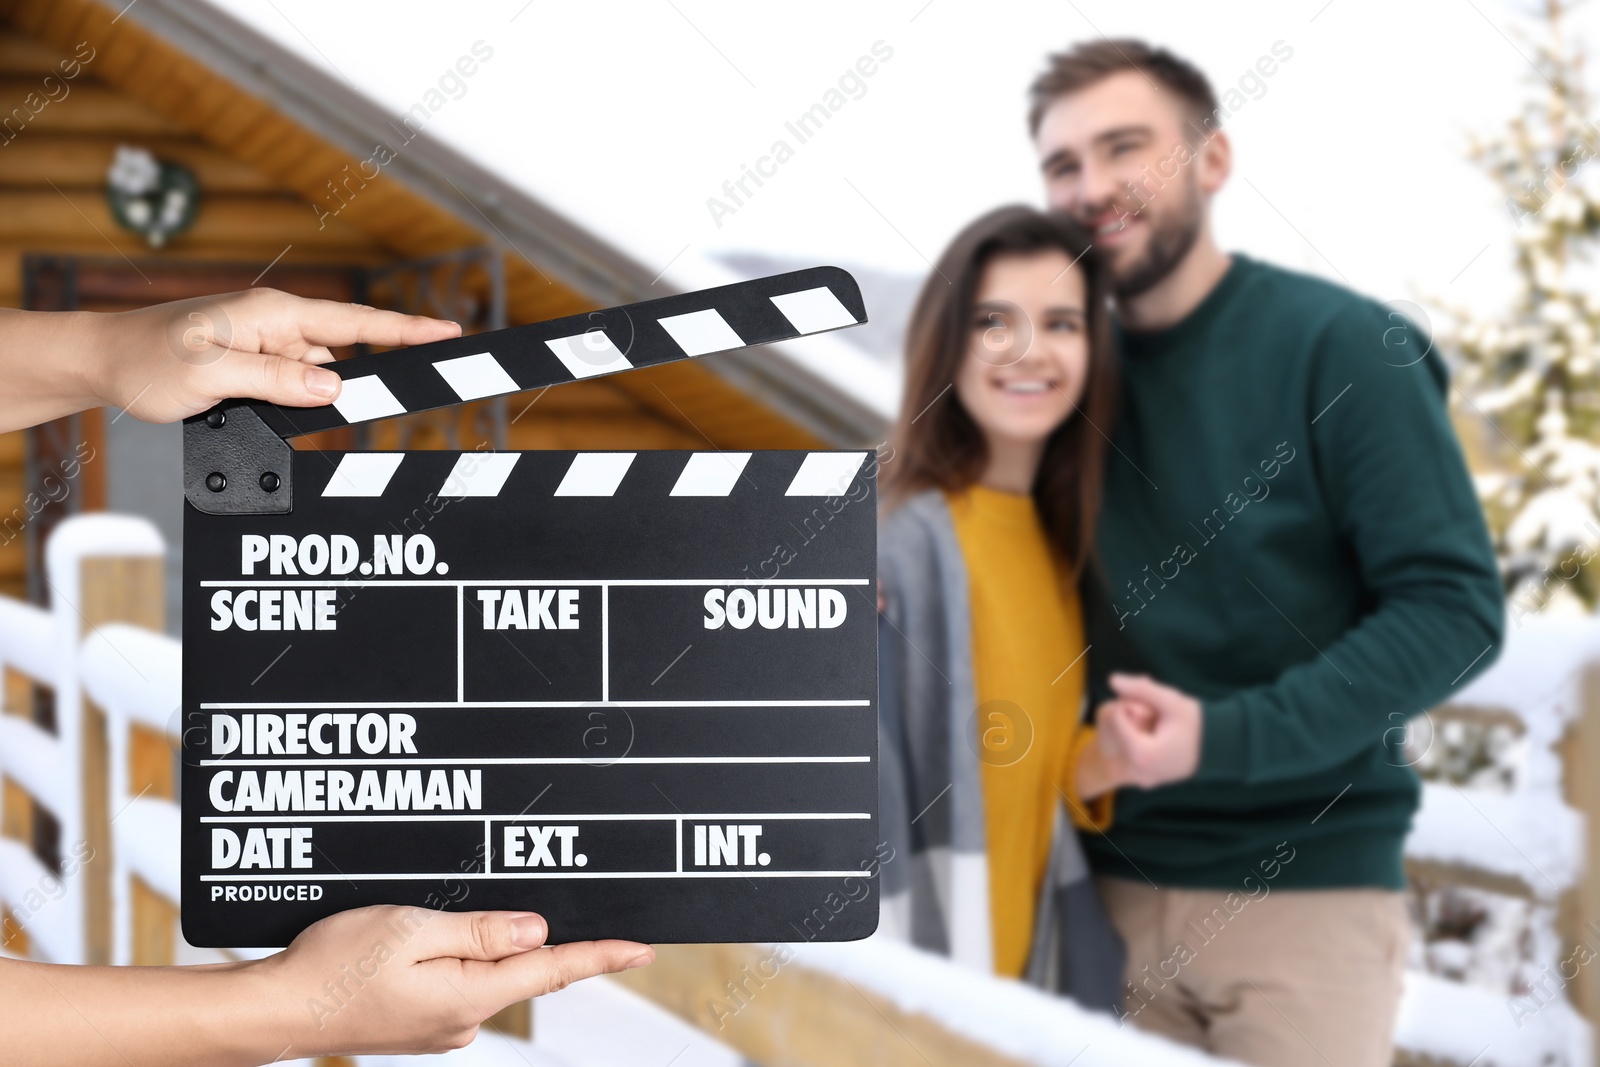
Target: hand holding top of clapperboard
(431, 976)
(170, 361)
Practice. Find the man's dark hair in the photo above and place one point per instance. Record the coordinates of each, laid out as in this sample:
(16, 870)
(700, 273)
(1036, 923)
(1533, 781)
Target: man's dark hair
(1088, 62)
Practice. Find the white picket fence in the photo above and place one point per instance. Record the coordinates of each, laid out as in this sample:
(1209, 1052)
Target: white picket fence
(45, 648)
(134, 676)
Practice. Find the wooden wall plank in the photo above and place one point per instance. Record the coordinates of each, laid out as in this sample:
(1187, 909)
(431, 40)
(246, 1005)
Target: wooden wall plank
(63, 22)
(271, 138)
(80, 161)
(13, 557)
(267, 221)
(155, 926)
(24, 56)
(32, 14)
(179, 83)
(119, 44)
(233, 123)
(88, 108)
(232, 254)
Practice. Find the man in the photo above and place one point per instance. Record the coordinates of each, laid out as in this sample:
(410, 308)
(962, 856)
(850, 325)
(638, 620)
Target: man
(1294, 564)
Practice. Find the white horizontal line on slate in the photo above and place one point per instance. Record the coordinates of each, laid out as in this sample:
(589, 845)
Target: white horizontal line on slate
(351, 705)
(540, 583)
(607, 817)
(531, 874)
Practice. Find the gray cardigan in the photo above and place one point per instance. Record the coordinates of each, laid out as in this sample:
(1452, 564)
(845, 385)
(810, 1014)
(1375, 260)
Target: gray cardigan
(936, 893)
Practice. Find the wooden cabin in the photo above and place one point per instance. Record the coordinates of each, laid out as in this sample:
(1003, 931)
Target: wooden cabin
(276, 148)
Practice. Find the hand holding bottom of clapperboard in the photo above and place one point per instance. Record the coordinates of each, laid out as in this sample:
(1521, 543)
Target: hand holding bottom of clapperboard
(435, 974)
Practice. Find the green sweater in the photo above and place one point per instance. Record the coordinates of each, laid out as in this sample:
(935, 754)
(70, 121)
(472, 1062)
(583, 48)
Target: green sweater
(1289, 535)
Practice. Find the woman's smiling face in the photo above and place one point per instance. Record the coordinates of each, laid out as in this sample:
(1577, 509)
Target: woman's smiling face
(1028, 347)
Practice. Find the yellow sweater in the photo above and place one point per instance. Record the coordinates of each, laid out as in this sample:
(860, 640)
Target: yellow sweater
(1028, 670)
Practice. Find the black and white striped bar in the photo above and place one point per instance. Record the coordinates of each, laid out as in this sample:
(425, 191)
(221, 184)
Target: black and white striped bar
(646, 334)
(489, 474)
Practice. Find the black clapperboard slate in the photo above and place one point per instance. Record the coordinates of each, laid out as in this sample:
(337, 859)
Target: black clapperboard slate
(634, 692)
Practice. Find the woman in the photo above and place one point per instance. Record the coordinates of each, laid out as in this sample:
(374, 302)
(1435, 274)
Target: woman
(991, 495)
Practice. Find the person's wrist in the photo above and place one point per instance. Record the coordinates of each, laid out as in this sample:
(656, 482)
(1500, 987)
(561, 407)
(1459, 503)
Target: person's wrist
(1093, 777)
(89, 358)
(265, 1016)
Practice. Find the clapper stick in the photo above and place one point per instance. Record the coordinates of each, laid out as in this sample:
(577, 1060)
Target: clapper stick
(236, 456)
(633, 691)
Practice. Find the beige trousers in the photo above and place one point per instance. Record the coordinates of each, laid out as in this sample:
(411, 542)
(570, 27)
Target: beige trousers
(1289, 978)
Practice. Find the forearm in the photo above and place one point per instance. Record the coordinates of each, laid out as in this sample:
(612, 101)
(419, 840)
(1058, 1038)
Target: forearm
(46, 365)
(225, 1016)
(1350, 696)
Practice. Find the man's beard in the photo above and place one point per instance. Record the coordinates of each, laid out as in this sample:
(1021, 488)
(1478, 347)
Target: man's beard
(1170, 241)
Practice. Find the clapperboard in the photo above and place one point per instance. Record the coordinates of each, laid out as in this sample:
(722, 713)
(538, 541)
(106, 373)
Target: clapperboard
(635, 692)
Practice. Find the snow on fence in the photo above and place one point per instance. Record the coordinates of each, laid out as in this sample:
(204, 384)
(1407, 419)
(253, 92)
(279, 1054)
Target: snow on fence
(54, 823)
(1522, 840)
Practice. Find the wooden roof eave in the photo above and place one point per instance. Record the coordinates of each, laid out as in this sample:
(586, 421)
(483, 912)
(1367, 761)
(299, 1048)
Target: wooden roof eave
(483, 201)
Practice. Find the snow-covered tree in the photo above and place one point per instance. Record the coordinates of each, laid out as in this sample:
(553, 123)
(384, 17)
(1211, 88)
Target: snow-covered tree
(1532, 369)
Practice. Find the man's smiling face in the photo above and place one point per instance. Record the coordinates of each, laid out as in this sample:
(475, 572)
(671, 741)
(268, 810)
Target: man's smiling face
(1121, 156)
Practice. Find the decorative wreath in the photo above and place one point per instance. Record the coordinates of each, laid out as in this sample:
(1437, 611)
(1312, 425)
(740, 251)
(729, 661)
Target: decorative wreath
(153, 197)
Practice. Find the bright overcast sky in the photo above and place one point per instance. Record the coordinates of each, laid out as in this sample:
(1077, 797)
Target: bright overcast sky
(1351, 164)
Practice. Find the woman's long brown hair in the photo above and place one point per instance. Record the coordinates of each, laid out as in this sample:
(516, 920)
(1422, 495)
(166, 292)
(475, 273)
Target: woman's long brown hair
(937, 445)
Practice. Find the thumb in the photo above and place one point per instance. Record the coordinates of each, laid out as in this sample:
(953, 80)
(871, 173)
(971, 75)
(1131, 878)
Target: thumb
(275, 379)
(1140, 688)
(1140, 714)
(478, 935)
